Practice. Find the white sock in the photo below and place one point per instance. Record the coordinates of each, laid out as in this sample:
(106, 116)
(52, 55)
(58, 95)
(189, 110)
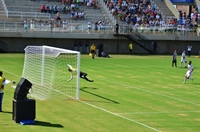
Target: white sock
(184, 80)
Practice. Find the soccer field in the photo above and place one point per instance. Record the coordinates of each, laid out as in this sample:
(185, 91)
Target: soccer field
(130, 93)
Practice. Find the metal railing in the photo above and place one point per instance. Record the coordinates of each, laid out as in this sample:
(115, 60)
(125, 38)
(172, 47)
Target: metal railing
(25, 15)
(58, 27)
(159, 30)
(53, 27)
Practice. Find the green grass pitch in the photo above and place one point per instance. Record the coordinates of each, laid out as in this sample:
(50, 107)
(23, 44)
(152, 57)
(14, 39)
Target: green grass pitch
(130, 93)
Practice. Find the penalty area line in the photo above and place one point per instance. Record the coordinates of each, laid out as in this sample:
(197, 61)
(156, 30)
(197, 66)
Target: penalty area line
(10, 72)
(167, 112)
(148, 91)
(120, 116)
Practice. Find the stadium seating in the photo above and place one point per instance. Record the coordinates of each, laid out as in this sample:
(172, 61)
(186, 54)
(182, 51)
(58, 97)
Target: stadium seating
(23, 9)
(28, 8)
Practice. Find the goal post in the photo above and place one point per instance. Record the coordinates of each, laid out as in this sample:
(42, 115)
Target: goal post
(46, 68)
(199, 54)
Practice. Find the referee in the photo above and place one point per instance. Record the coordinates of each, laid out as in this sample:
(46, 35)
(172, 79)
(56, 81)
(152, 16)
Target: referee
(93, 50)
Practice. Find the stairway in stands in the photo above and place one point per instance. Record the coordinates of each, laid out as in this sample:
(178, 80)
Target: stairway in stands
(1, 6)
(163, 8)
(2, 10)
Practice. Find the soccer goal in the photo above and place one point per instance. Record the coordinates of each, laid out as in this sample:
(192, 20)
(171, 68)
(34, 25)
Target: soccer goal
(46, 68)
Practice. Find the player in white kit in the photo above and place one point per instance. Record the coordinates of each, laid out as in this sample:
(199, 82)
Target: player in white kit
(183, 59)
(189, 72)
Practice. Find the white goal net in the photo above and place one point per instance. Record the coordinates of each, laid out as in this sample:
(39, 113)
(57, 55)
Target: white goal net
(46, 68)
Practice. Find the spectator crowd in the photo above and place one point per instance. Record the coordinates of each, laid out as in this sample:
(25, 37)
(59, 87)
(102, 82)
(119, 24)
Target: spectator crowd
(135, 15)
(145, 15)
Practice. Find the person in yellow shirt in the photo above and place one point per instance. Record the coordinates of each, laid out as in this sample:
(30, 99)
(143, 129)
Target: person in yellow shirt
(130, 48)
(2, 83)
(93, 50)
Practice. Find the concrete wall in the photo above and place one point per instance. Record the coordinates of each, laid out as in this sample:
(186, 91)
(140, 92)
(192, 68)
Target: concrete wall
(16, 42)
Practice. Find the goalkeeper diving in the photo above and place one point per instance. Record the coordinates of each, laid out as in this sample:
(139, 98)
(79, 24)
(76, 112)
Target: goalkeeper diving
(74, 70)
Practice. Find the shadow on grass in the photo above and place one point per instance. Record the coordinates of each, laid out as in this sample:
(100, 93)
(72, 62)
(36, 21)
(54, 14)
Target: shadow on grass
(196, 83)
(83, 89)
(40, 123)
(47, 124)
(7, 112)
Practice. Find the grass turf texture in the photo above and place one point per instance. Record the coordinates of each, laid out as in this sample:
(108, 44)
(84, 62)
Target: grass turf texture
(129, 93)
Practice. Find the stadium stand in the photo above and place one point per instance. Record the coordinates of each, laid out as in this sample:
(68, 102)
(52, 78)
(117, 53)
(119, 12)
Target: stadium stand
(143, 16)
(18, 11)
(24, 9)
(147, 19)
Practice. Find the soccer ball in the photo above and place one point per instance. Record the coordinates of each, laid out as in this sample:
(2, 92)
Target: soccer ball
(13, 82)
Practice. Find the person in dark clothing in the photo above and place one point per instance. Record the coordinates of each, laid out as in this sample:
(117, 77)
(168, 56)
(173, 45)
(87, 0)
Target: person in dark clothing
(87, 48)
(117, 28)
(2, 83)
(104, 54)
(174, 61)
(155, 46)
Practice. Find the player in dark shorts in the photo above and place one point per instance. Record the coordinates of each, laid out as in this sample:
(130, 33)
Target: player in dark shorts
(82, 74)
(93, 50)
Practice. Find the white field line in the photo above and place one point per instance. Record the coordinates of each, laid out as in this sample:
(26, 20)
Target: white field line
(105, 110)
(34, 84)
(168, 112)
(122, 113)
(121, 116)
(151, 92)
(10, 73)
